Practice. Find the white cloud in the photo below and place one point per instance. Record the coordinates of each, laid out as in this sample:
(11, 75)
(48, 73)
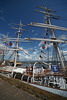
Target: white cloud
(41, 48)
(32, 57)
(65, 55)
(40, 43)
(64, 44)
(49, 45)
(63, 37)
(1, 45)
(23, 50)
(65, 52)
(22, 56)
(25, 57)
(2, 35)
(35, 52)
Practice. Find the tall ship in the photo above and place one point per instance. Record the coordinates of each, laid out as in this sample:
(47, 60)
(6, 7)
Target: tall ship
(47, 73)
(7, 65)
(55, 75)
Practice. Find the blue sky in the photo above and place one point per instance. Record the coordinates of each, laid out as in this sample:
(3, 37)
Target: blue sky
(12, 11)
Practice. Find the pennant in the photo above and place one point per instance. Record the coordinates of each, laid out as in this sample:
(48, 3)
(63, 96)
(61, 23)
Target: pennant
(46, 33)
(46, 30)
(44, 42)
(43, 47)
(41, 56)
(42, 52)
(10, 44)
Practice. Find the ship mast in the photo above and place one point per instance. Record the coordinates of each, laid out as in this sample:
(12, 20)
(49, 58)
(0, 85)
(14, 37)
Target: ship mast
(53, 37)
(52, 28)
(17, 45)
(17, 41)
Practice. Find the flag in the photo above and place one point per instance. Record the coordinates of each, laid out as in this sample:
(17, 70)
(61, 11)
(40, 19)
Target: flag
(10, 44)
(46, 33)
(43, 47)
(55, 68)
(42, 52)
(44, 42)
(46, 30)
(41, 56)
